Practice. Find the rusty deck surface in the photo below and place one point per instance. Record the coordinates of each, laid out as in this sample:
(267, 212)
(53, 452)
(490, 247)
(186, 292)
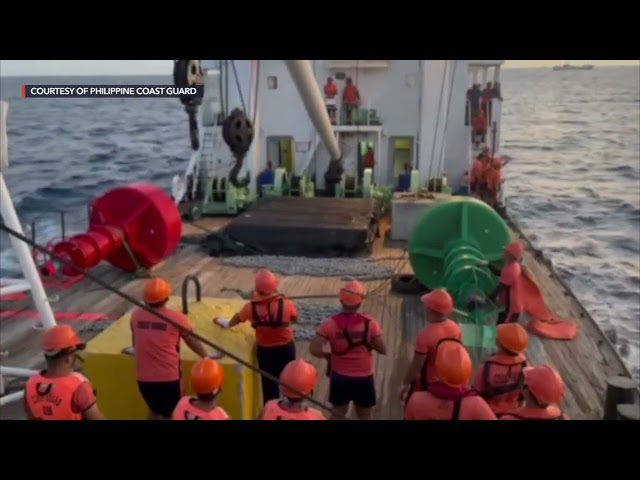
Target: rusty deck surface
(584, 363)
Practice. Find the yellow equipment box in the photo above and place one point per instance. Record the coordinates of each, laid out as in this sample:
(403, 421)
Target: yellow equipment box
(112, 372)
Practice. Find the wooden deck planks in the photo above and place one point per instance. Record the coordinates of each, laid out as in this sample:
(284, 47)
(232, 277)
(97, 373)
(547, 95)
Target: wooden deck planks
(584, 363)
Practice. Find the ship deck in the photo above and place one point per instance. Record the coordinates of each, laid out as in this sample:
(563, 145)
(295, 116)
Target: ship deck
(585, 363)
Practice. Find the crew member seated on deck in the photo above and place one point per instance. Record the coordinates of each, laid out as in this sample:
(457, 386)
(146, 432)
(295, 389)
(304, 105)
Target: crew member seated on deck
(330, 100)
(301, 376)
(58, 392)
(422, 372)
(266, 177)
(207, 377)
(500, 378)
(352, 337)
(350, 100)
(509, 291)
(404, 179)
(271, 315)
(449, 397)
(156, 348)
(543, 393)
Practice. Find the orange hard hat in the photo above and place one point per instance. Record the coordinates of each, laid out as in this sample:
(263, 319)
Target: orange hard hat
(59, 338)
(515, 249)
(352, 293)
(300, 375)
(453, 364)
(544, 383)
(206, 376)
(439, 301)
(156, 290)
(496, 162)
(512, 337)
(266, 282)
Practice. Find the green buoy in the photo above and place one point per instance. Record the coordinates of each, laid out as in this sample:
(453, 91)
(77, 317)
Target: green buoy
(448, 244)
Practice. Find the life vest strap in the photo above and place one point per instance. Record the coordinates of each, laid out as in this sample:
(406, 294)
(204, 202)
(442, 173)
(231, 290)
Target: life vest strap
(351, 344)
(272, 321)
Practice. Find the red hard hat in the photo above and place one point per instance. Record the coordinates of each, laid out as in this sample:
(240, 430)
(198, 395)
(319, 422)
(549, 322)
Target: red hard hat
(544, 383)
(439, 301)
(453, 364)
(59, 338)
(266, 282)
(352, 294)
(206, 376)
(300, 375)
(515, 249)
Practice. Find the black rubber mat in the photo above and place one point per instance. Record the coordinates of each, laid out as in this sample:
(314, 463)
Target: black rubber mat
(297, 226)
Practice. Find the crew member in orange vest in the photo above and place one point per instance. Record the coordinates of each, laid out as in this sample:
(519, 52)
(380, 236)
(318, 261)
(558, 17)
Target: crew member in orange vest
(543, 392)
(479, 167)
(271, 315)
(301, 376)
(438, 306)
(479, 125)
(207, 377)
(499, 380)
(494, 179)
(449, 398)
(59, 393)
(352, 336)
(509, 290)
(330, 94)
(156, 348)
(350, 100)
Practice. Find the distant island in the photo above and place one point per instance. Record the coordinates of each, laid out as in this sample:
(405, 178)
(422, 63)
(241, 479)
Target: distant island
(567, 66)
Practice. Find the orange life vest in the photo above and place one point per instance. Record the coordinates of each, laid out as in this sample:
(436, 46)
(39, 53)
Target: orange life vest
(186, 411)
(273, 411)
(271, 319)
(52, 398)
(532, 413)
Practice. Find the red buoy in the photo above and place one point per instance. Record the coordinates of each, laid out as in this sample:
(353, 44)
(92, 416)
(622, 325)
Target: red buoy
(139, 216)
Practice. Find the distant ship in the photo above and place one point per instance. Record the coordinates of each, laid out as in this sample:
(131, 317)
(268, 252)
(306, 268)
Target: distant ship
(567, 66)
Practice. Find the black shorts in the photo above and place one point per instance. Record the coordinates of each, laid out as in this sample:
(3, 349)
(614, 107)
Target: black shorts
(359, 390)
(161, 397)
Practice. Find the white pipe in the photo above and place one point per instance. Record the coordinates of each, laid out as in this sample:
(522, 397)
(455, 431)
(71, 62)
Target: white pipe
(21, 249)
(302, 74)
(12, 397)
(17, 288)
(17, 372)
(11, 281)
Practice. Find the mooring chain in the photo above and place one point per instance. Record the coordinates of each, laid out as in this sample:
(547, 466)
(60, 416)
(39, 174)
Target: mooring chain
(164, 318)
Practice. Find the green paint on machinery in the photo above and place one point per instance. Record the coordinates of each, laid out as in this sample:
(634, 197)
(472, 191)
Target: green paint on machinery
(287, 185)
(349, 188)
(447, 248)
(222, 198)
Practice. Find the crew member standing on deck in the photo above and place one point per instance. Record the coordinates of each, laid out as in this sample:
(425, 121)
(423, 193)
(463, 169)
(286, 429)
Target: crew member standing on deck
(59, 393)
(509, 290)
(543, 392)
(494, 179)
(438, 306)
(271, 315)
(156, 347)
(500, 378)
(350, 100)
(292, 406)
(478, 169)
(449, 398)
(207, 377)
(330, 94)
(352, 337)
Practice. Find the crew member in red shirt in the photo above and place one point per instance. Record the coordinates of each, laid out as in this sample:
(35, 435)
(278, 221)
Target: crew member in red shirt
(59, 393)
(156, 348)
(352, 337)
(350, 100)
(509, 290)
(330, 94)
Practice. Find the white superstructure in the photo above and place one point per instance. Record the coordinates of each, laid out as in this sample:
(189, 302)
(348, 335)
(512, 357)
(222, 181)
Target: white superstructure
(411, 111)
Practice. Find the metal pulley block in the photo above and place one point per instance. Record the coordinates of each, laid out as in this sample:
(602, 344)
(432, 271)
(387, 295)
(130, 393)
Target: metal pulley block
(188, 73)
(237, 132)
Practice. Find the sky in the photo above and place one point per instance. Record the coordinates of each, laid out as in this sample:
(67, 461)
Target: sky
(162, 67)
